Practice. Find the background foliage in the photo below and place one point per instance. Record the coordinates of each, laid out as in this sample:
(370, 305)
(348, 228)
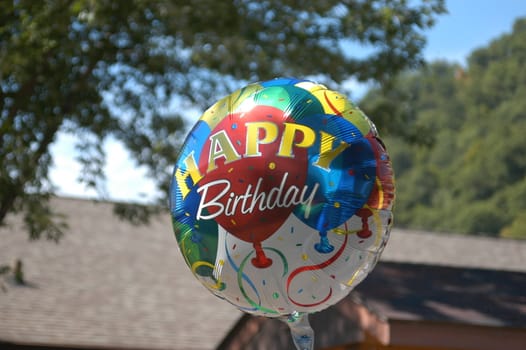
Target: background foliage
(130, 70)
(466, 172)
(113, 68)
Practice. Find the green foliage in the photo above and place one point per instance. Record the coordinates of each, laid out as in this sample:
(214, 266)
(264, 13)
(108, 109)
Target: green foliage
(473, 177)
(116, 67)
(516, 229)
(136, 214)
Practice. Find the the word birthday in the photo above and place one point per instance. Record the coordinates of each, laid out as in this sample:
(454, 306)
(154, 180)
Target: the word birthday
(252, 198)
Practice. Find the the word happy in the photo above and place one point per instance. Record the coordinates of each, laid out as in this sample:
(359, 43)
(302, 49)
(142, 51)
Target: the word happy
(260, 133)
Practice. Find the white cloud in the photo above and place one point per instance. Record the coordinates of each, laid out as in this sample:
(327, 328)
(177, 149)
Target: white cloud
(65, 169)
(124, 180)
(356, 89)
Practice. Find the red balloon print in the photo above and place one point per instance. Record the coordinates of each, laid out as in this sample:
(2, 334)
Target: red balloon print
(245, 193)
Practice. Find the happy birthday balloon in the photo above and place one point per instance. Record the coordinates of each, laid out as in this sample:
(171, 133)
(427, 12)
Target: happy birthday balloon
(281, 198)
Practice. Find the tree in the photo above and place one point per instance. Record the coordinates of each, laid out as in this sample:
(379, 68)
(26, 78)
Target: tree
(109, 68)
(471, 175)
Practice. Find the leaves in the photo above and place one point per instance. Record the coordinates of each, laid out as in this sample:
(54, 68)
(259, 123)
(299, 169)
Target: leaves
(473, 178)
(130, 70)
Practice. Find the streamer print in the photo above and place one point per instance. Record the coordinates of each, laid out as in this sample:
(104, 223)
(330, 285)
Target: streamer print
(270, 172)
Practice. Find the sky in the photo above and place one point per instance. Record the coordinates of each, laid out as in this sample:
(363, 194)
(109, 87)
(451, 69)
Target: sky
(470, 24)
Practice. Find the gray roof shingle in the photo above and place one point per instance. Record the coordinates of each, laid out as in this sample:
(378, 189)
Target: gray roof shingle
(114, 285)
(445, 249)
(108, 283)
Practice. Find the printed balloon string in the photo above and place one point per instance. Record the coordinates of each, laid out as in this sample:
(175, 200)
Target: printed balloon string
(328, 101)
(241, 276)
(364, 231)
(217, 283)
(379, 227)
(313, 268)
(240, 282)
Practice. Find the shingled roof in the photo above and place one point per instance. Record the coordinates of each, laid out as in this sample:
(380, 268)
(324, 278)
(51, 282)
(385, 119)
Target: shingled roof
(111, 285)
(454, 250)
(454, 293)
(107, 284)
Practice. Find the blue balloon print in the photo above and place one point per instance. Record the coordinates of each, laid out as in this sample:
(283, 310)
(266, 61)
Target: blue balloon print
(343, 167)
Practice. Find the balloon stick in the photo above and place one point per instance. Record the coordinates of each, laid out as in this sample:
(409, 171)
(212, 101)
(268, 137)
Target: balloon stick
(301, 331)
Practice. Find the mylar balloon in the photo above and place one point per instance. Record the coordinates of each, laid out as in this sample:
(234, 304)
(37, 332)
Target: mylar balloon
(281, 197)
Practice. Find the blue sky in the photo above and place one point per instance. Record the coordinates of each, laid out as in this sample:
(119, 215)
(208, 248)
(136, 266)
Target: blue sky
(470, 24)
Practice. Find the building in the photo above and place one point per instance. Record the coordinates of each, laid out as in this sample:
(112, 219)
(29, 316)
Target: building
(111, 285)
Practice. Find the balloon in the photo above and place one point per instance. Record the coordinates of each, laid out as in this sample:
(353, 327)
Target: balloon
(281, 198)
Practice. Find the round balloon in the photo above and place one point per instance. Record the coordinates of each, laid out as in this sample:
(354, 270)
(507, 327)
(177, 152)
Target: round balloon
(281, 197)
